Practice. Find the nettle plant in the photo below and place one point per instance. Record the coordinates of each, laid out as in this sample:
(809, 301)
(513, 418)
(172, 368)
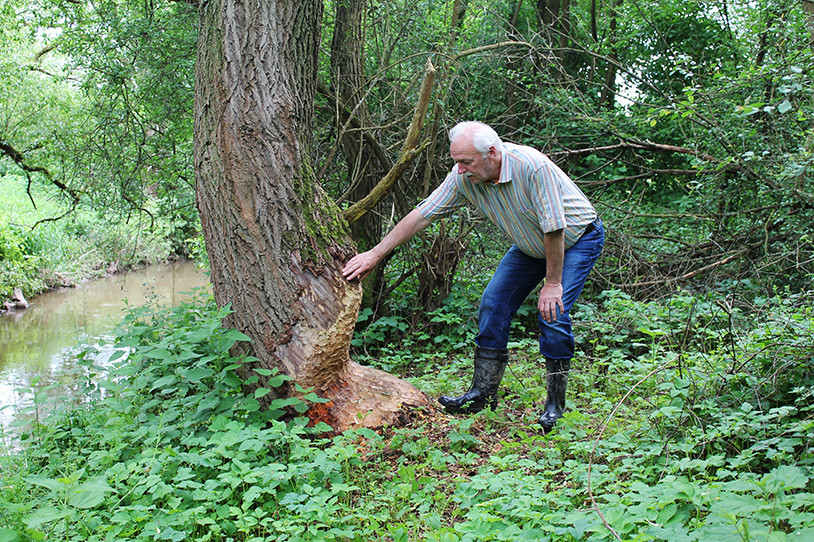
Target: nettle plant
(699, 435)
(167, 447)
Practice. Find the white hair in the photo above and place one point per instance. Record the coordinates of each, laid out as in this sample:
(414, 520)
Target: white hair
(482, 136)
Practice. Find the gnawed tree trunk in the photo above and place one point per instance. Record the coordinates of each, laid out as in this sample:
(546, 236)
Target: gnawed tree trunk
(276, 242)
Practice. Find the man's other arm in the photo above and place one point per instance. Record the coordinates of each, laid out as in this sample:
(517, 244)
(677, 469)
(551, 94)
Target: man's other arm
(551, 292)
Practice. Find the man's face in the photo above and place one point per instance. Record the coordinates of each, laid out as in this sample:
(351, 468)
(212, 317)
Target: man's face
(473, 165)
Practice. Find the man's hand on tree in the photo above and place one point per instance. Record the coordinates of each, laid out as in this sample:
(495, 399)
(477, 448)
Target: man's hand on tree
(361, 265)
(550, 301)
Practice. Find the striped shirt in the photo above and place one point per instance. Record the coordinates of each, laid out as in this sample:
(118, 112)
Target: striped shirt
(532, 197)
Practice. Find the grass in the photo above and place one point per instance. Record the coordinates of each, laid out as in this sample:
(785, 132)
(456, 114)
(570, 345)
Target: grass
(667, 437)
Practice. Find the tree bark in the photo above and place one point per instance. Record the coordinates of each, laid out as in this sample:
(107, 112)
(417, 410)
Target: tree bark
(608, 94)
(275, 241)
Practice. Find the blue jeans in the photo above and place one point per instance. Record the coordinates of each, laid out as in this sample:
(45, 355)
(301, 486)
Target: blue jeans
(514, 279)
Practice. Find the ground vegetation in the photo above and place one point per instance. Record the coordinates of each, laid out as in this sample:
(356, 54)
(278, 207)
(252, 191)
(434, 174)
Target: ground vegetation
(687, 123)
(686, 422)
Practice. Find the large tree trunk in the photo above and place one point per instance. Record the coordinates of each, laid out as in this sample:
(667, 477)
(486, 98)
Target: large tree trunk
(275, 241)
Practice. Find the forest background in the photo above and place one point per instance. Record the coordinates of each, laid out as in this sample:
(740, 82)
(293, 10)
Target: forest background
(688, 124)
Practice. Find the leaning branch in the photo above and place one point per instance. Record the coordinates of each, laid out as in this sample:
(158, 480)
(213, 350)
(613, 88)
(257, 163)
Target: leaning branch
(409, 151)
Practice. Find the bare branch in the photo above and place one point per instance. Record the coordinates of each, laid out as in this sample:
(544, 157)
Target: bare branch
(409, 151)
(45, 50)
(634, 144)
(378, 149)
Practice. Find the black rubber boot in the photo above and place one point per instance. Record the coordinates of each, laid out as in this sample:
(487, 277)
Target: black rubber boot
(556, 383)
(490, 363)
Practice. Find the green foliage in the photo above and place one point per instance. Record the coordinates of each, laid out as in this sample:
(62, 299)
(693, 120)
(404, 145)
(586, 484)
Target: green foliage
(397, 343)
(166, 446)
(678, 44)
(11, 245)
(690, 402)
(80, 246)
(99, 100)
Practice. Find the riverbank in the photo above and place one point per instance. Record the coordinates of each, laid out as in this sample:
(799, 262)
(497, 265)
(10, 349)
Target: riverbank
(40, 253)
(18, 300)
(41, 348)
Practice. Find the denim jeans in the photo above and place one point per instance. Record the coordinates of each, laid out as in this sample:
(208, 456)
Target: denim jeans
(514, 279)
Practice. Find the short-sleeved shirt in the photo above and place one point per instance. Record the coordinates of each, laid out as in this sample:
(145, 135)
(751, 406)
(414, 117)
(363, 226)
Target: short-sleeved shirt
(532, 197)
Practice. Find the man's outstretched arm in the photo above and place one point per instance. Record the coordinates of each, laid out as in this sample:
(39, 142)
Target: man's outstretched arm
(363, 263)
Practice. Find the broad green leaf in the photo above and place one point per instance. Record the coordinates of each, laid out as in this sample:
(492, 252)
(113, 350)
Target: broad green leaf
(785, 477)
(89, 495)
(236, 335)
(261, 392)
(187, 354)
(44, 515)
(197, 374)
(739, 505)
(314, 398)
(164, 382)
(278, 380)
(49, 483)
(158, 353)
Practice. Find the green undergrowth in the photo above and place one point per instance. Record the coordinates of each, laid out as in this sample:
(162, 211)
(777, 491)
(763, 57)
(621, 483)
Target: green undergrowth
(689, 419)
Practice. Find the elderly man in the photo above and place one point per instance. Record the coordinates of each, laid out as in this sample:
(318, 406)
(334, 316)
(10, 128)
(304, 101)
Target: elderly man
(557, 236)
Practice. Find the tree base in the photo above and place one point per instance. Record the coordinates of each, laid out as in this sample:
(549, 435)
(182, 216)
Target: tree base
(367, 397)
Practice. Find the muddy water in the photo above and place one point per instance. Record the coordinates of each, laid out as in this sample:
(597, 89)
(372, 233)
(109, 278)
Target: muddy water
(38, 344)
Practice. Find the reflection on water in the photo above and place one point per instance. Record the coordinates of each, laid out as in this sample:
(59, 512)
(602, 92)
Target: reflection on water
(36, 344)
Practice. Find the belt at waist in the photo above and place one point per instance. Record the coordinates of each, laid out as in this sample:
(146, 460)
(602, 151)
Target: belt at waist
(591, 227)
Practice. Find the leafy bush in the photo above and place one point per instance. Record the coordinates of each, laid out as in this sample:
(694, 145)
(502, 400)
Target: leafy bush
(11, 245)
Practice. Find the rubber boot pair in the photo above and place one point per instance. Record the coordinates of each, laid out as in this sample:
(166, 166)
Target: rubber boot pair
(556, 383)
(490, 363)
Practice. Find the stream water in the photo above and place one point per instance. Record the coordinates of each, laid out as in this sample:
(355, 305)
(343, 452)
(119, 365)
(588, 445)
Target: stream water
(38, 344)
